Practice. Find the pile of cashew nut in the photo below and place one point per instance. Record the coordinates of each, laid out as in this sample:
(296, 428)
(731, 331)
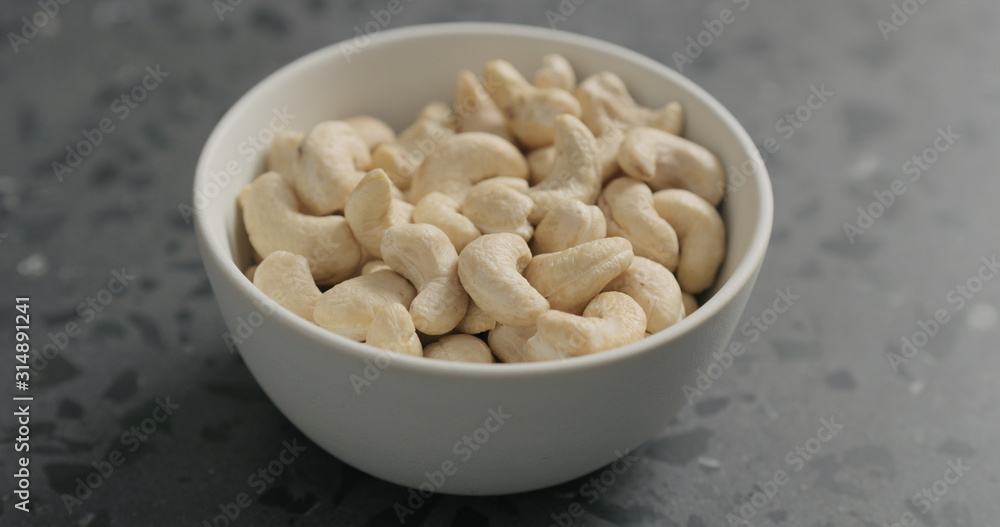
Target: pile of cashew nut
(528, 221)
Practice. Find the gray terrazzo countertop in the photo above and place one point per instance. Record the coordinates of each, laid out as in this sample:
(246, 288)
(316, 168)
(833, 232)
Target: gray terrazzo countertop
(911, 92)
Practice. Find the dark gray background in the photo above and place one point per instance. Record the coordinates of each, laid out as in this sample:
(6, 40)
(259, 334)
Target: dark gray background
(824, 358)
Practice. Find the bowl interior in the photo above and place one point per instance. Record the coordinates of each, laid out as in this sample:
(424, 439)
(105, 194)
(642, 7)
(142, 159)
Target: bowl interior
(397, 72)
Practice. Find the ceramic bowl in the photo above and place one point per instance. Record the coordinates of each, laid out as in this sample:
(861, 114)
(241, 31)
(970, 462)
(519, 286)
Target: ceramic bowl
(450, 427)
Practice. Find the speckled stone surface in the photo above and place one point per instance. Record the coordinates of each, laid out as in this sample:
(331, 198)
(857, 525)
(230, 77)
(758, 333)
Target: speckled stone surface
(827, 358)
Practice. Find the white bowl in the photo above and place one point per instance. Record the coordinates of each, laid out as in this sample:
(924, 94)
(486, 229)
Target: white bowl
(405, 419)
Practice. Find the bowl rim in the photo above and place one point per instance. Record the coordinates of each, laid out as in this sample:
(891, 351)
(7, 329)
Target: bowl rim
(744, 273)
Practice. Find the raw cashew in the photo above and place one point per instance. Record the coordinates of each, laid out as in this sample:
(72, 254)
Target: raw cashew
(332, 159)
(574, 175)
(425, 256)
(490, 269)
(273, 223)
(605, 102)
(655, 289)
(555, 72)
(285, 277)
(569, 279)
(400, 160)
(372, 131)
(690, 303)
(569, 224)
(475, 108)
(442, 211)
(475, 321)
(392, 330)
(701, 233)
(282, 153)
(463, 160)
(541, 161)
(349, 307)
(611, 320)
(371, 209)
(374, 266)
(510, 344)
(628, 208)
(530, 111)
(497, 205)
(250, 271)
(459, 348)
(664, 160)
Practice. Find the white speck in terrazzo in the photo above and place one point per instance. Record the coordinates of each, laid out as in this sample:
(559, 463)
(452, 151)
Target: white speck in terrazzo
(982, 317)
(34, 266)
(865, 166)
(709, 462)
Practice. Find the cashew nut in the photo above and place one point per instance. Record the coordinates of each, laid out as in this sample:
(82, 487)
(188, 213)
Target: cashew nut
(372, 131)
(655, 289)
(555, 72)
(700, 232)
(664, 160)
(569, 224)
(610, 320)
(628, 208)
(371, 209)
(510, 344)
(574, 174)
(530, 111)
(498, 205)
(400, 160)
(392, 330)
(285, 277)
(349, 307)
(459, 348)
(490, 269)
(541, 161)
(463, 160)
(250, 271)
(605, 103)
(690, 303)
(475, 108)
(282, 153)
(569, 279)
(442, 211)
(332, 159)
(273, 223)
(475, 321)
(374, 266)
(425, 256)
